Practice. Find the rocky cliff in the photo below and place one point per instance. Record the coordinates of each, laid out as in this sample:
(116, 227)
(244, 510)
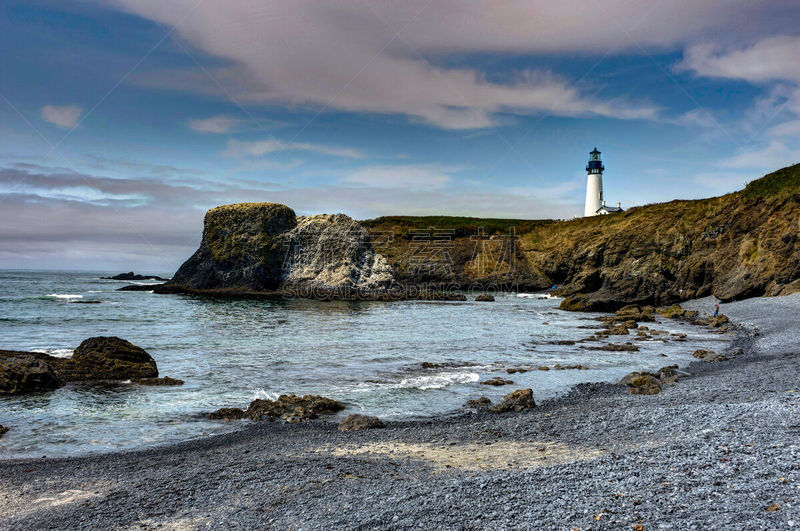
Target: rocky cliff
(265, 248)
(738, 245)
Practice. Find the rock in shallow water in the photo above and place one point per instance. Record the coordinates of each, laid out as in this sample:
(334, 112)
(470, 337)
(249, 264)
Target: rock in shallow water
(227, 414)
(163, 381)
(485, 297)
(360, 422)
(3, 430)
(22, 372)
(106, 358)
(291, 408)
(497, 381)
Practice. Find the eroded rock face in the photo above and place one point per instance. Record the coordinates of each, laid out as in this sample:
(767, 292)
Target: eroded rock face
(22, 372)
(264, 247)
(360, 422)
(332, 252)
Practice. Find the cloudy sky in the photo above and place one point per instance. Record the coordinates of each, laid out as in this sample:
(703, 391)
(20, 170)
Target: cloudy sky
(123, 121)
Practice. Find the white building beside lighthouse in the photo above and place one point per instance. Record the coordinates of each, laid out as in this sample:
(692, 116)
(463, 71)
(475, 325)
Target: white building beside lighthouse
(595, 203)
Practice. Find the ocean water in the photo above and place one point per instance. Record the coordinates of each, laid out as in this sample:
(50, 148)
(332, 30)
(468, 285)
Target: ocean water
(366, 354)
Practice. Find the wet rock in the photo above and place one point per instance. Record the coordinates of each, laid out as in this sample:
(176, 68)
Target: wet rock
(560, 367)
(360, 422)
(497, 381)
(717, 321)
(644, 384)
(565, 342)
(543, 368)
(676, 312)
(518, 400)
(616, 347)
(22, 372)
(292, 408)
(715, 357)
(133, 276)
(140, 287)
(164, 380)
(701, 353)
(618, 331)
(485, 297)
(3, 430)
(479, 403)
(575, 303)
(514, 370)
(106, 358)
(227, 414)
(634, 312)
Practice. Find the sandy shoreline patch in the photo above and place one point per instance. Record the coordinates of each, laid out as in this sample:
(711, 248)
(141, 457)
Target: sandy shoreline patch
(474, 455)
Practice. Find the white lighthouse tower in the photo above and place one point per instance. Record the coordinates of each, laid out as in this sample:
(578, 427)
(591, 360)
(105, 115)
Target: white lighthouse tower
(594, 185)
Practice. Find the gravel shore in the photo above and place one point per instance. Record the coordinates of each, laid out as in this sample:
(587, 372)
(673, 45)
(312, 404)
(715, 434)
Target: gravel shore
(718, 450)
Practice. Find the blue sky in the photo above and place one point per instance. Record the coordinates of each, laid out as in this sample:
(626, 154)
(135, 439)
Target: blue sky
(122, 122)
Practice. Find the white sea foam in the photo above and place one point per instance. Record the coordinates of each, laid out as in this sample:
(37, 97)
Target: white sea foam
(437, 381)
(261, 394)
(55, 352)
(65, 296)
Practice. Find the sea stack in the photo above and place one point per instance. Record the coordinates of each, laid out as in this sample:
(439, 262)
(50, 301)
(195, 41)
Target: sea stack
(265, 247)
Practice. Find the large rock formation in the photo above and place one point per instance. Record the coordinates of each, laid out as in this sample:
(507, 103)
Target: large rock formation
(241, 248)
(264, 247)
(97, 358)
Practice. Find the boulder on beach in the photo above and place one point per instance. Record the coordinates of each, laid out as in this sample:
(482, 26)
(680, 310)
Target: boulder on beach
(644, 384)
(22, 372)
(292, 408)
(484, 297)
(357, 422)
(479, 403)
(518, 400)
(106, 358)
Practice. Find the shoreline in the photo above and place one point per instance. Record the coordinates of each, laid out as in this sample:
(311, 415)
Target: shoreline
(596, 434)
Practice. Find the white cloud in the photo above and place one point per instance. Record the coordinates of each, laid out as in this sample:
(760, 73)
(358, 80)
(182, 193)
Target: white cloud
(219, 124)
(66, 117)
(407, 176)
(349, 56)
(259, 148)
(769, 60)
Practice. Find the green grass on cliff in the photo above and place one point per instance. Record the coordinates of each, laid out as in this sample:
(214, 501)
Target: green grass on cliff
(781, 183)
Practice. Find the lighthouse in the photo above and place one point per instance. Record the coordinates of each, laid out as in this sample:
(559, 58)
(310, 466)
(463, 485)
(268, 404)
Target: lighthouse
(595, 203)
(594, 184)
